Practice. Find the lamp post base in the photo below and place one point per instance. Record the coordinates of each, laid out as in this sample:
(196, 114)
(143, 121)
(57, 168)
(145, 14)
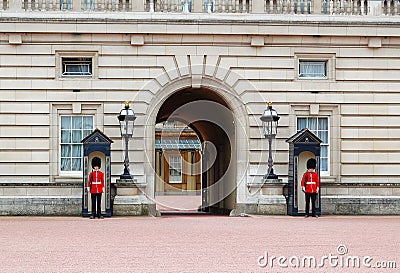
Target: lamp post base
(125, 176)
(270, 176)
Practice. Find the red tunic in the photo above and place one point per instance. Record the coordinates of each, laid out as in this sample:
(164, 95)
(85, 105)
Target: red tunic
(97, 179)
(312, 182)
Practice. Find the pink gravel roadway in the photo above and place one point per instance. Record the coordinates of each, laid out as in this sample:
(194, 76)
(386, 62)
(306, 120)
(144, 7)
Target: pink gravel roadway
(191, 243)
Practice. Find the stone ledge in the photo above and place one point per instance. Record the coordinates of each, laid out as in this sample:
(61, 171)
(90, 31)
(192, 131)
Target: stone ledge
(123, 183)
(266, 183)
(360, 185)
(131, 199)
(199, 18)
(40, 206)
(39, 184)
(133, 206)
(330, 205)
(272, 200)
(360, 205)
(338, 199)
(259, 209)
(38, 198)
(129, 187)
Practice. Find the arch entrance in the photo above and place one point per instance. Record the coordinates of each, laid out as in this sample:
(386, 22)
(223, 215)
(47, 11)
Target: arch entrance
(195, 153)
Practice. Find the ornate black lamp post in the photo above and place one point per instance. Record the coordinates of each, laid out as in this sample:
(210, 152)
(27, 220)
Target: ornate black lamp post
(270, 127)
(126, 121)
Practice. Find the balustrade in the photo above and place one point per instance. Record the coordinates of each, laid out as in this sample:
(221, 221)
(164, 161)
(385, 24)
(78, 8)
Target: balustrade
(168, 5)
(328, 7)
(106, 5)
(289, 6)
(4, 5)
(345, 7)
(209, 6)
(391, 7)
(46, 5)
(227, 6)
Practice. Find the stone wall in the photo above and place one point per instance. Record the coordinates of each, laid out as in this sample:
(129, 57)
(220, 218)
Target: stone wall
(40, 199)
(360, 198)
(252, 58)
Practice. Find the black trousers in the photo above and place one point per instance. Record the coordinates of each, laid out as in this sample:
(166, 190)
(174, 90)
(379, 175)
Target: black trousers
(313, 197)
(96, 204)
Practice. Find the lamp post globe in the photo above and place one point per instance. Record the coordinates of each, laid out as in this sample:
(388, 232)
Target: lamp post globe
(270, 120)
(126, 120)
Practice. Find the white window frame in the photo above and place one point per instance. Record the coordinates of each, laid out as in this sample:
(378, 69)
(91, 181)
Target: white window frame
(71, 61)
(71, 173)
(328, 58)
(172, 165)
(323, 64)
(60, 55)
(326, 172)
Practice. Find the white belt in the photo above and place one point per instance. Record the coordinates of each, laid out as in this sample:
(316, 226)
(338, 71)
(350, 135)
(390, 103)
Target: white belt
(96, 183)
(311, 183)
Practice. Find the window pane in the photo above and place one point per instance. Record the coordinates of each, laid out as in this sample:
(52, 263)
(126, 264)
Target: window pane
(88, 123)
(324, 164)
(76, 164)
(323, 135)
(312, 124)
(77, 122)
(86, 133)
(82, 68)
(65, 150)
(65, 122)
(174, 172)
(65, 136)
(65, 164)
(323, 124)
(77, 66)
(301, 124)
(312, 69)
(324, 151)
(76, 150)
(76, 136)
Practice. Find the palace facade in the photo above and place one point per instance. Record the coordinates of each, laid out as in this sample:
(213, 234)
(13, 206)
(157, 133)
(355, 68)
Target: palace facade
(330, 66)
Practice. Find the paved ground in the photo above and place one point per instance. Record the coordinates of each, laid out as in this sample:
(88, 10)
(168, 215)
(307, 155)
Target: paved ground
(195, 243)
(166, 203)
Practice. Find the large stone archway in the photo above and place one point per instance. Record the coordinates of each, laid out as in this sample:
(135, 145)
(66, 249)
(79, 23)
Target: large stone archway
(210, 116)
(213, 90)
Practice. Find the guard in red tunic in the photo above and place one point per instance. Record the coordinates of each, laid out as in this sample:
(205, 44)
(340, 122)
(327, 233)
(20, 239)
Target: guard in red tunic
(96, 187)
(310, 186)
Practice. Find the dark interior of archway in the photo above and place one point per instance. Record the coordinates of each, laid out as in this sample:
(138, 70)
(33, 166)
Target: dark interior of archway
(208, 131)
(185, 96)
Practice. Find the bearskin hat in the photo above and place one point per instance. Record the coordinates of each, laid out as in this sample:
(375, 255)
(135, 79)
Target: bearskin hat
(311, 163)
(96, 162)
